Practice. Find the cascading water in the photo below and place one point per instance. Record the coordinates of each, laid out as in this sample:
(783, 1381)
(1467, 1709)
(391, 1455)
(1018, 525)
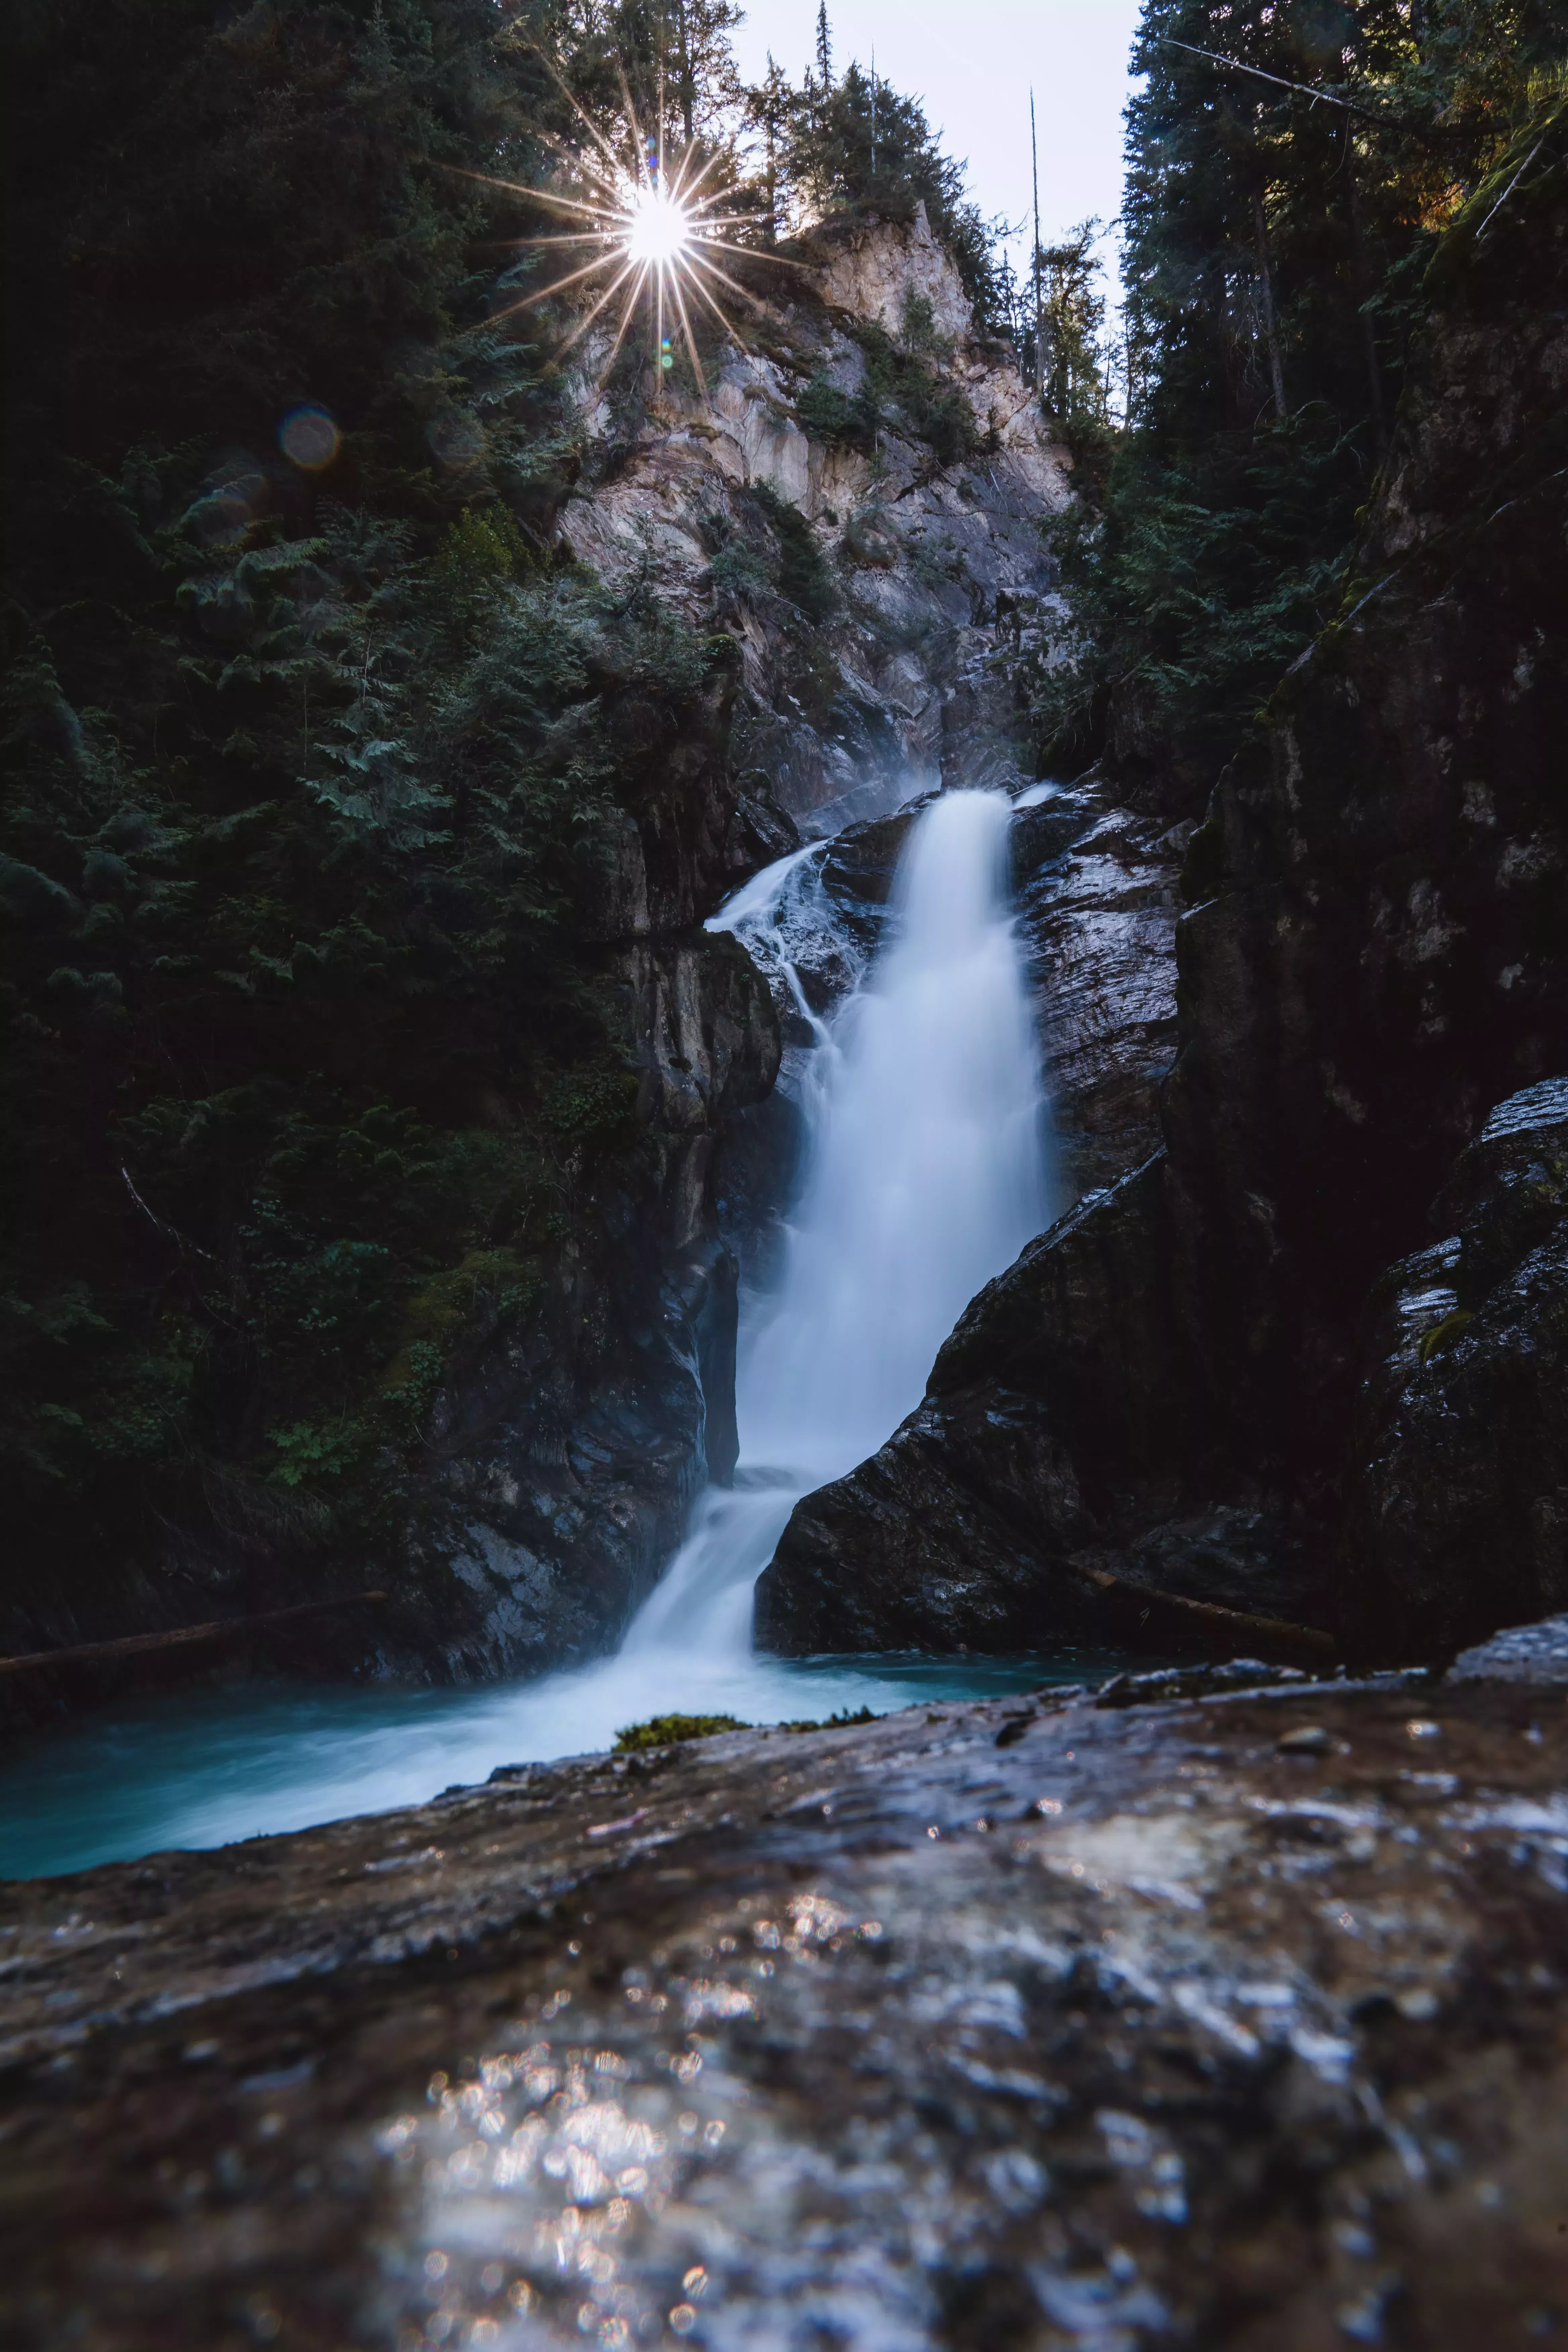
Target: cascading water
(923, 1179)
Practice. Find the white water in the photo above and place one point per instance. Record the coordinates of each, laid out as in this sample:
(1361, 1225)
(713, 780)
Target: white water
(923, 1179)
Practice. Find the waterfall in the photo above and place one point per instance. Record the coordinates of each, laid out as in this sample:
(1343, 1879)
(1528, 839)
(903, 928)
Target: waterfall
(922, 1180)
(923, 1175)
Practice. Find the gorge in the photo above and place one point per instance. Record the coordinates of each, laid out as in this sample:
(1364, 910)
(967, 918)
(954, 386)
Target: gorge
(791, 1110)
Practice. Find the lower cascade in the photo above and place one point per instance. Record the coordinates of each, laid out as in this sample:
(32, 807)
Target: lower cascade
(924, 1176)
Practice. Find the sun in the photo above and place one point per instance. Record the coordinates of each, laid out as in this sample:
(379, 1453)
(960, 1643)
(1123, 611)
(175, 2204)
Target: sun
(660, 227)
(658, 231)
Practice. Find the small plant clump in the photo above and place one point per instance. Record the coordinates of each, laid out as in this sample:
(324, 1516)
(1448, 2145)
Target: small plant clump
(834, 1722)
(666, 1730)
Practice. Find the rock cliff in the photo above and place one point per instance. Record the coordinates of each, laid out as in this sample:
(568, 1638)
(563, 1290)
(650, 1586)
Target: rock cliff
(857, 497)
(868, 591)
(1366, 968)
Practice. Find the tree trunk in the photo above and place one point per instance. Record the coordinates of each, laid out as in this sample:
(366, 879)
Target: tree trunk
(1271, 330)
(688, 90)
(1363, 290)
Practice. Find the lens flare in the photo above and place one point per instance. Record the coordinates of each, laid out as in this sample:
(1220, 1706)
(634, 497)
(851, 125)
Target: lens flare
(310, 437)
(655, 225)
(659, 228)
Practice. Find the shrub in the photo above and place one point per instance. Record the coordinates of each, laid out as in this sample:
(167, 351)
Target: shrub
(669, 1730)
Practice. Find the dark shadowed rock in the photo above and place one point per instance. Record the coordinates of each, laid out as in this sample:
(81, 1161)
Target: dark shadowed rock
(906, 1553)
(1003, 2028)
(1061, 1404)
(1460, 1515)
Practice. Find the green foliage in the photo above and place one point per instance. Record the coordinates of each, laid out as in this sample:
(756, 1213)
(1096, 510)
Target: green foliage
(1072, 312)
(1276, 255)
(845, 1716)
(669, 1730)
(1208, 571)
(804, 578)
(305, 761)
(848, 421)
(857, 147)
(741, 571)
(901, 382)
(479, 552)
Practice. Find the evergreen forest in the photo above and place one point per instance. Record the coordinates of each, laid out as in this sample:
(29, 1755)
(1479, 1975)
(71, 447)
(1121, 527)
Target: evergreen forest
(313, 740)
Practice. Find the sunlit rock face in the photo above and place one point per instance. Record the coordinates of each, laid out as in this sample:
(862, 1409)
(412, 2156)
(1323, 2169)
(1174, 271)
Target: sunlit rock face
(1215, 2015)
(877, 266)
(899, 670)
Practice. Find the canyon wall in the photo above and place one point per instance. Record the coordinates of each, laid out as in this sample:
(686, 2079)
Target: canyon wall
(1171, 1382)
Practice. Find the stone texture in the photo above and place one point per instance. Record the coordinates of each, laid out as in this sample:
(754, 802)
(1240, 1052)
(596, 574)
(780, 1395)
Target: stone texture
(876, 266)
(1062, 1407)
(1212, 2018)
(1097, 889)
(1460, 1513)
(936, 569)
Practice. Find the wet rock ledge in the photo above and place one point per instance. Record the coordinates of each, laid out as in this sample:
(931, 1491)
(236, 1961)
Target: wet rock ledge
(1206, 2011)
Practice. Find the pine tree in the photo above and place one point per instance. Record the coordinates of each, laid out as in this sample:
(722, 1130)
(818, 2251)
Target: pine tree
(1288, 169)
(768, 109)
(829, 156)
(824, 49)
(1073, 309)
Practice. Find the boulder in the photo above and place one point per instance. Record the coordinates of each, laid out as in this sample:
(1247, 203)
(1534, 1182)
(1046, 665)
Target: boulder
(1048, 1419)
(1459, 1519)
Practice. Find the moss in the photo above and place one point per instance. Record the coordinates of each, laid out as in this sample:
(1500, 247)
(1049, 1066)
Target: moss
(668, 1730)
(438, 1311)
(833, 1722)
(1443, 1334)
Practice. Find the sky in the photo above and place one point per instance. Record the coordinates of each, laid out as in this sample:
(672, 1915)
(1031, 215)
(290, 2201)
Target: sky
(971, 63)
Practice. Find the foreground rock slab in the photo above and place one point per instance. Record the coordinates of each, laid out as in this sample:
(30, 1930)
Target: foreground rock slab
(1198, 2015)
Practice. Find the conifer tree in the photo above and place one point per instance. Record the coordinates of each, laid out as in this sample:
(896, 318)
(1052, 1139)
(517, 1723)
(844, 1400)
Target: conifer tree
(1073, 309)
(1288, 169)
(768, 109)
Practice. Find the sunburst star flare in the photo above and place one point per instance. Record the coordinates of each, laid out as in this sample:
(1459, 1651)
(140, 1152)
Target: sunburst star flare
(657, 229)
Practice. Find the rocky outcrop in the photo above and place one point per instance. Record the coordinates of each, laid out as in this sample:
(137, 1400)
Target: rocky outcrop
(875, 614)
(1096, 882)
(1458, 1518)
(875, 266)
(1211, 2015)
(1095, 887)
(566, 1450)
(1368, 965)
(565, 1458)
(1063, 1410)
